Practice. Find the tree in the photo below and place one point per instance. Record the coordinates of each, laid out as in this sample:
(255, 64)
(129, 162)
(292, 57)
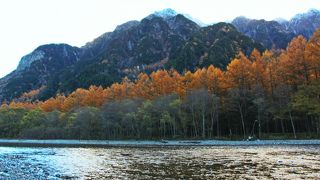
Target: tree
(240, 80)
(53, 104)
(143, 87)
(239, 100)
(10, 121)
(282, 107)
(239, 73)
(34, 118)
(119, 119)
(312, 54)
(259, 69)
(31, 95)
(272, 72)
(88, 123)
(198, 102)
(307, 100)
(295, 67)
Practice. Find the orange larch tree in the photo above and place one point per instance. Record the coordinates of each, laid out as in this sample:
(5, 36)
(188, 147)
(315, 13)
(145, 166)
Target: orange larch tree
(312, 54)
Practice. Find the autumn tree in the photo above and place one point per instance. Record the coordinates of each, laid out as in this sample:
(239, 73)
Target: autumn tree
(295, 68)
(31, 95)
(53, 104)
(312, 54)
(271, 71)
(214, 80)
(239, 78)
(143, 87)
(162, 82)
(259, 69)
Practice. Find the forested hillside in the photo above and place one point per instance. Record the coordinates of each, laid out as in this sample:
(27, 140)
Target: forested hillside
(275, 94)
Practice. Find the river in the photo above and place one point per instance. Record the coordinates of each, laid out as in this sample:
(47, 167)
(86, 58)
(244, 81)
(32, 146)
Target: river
(162, 162)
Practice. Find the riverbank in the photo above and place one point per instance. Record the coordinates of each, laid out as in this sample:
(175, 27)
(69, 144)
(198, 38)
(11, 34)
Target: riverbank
(144, 143)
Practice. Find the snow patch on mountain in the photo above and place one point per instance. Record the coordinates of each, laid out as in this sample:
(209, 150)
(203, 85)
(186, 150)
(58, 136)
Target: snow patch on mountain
(166, 13)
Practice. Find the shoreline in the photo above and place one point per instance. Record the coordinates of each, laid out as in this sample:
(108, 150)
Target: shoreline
(146, 143)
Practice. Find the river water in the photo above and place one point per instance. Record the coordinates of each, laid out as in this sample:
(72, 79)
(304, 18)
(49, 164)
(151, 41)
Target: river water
(203, 162)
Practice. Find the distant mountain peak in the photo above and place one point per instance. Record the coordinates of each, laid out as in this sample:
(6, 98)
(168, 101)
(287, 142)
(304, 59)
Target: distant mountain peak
(305, 23)
(169, 13)
(280, 20)
(166, 13)
(42, 51)
(242, 17)
(311, 12)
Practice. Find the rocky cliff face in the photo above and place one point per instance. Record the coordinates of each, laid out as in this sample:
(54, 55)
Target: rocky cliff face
(27, 60)
(36, 68)
(93, 49)
(271, 34)
(216, 44)
(278, 33)
(304, 24)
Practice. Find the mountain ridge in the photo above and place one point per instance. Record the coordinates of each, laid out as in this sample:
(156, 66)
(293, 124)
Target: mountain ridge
(153, 43)
(278, 33)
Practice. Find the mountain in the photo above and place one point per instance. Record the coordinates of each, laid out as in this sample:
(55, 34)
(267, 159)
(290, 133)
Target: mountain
(216, 44)
(155, 43)
(304, 24)
(278, 33)
(98, 45)
(161, 40)
(37, 68)
(127, 51)
(165, 13)
(271, 34)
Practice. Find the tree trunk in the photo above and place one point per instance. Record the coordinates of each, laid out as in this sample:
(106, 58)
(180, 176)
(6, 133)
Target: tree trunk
(282, 127)
(318, 126)
(212, 122)
(259, 123)
(164, 130)
(293, 128)
(194, 122)
(242, 121)
(218, 128)
(174, 126)
(203, 123)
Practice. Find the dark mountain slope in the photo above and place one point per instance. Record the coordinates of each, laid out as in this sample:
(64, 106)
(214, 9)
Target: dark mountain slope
(37, 68)
(216, 44)
(155, 42)
(271, 34)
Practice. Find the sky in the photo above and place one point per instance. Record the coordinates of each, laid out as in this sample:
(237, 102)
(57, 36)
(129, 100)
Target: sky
(25, 25)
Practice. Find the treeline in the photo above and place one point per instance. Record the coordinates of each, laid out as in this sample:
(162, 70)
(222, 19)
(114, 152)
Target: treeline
(270, 95)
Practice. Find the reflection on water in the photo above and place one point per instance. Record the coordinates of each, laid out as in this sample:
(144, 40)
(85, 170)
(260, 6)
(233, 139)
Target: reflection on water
(284, 162)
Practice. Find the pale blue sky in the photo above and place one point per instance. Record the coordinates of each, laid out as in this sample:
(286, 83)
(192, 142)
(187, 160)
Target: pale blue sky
(26, 24)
